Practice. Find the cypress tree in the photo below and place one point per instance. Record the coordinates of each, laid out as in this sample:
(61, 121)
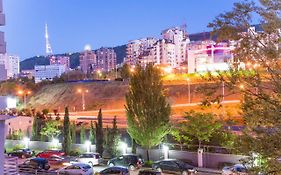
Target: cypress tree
(73, 133)
(66, 133)
(92, 133)
(148, 112)
(82, 134)
(99, 134)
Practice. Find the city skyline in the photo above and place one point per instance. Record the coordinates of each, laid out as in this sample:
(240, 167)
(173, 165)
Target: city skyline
(99, 24)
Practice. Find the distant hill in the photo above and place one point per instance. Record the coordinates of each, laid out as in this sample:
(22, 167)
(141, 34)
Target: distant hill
(29, 63)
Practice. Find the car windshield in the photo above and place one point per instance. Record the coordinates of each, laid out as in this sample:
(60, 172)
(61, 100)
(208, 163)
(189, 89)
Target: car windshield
(86, 167)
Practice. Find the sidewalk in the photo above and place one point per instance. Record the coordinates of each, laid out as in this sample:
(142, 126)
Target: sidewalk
(209, 170)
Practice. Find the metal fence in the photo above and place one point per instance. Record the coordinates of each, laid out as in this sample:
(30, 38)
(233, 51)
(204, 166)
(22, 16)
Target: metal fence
(10, 166)
(32, 171)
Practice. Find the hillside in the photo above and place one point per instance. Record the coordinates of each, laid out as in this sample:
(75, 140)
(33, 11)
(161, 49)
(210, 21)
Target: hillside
(106, 95)
(29, 63)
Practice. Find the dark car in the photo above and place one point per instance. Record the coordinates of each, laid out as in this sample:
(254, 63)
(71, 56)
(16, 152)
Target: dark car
(115, 170)
(131, 161)
(21, 153)
(149, 172)
(173, 166)
(35, 163)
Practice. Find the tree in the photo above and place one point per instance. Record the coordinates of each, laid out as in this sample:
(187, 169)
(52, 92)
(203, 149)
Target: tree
(51, 129)
(199, 127)
(73, 133)
(125, 71)
(99, 134)
(82, 134)
(148, 113)
(38, 123)
(112, 139)
(66, 133)
(261, 86)
(92, 133)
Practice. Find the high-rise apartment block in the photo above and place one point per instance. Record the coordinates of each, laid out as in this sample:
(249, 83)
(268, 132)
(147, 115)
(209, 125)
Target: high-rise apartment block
(103, 59)
(48, 72)
(106, 59)
(170, 50)
(10, 63)
(60, 60)
(3, 70)
(87, 60)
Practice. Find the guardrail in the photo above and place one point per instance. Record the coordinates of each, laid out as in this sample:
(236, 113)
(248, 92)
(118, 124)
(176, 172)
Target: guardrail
(33, 171)
(10, 166)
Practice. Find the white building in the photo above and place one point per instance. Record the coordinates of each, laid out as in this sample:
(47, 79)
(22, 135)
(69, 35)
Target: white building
(170, 50)
(206, 56)
(11, 66)
(48, 72)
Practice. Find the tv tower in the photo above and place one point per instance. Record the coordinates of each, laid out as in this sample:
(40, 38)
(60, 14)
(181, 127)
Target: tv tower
(49, 50)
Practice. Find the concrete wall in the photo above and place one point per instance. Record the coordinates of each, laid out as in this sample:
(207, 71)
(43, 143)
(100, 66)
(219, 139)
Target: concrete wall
(210, 160)
(36, 145)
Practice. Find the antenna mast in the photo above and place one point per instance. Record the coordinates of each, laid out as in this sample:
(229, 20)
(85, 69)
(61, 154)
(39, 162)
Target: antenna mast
(49, 50)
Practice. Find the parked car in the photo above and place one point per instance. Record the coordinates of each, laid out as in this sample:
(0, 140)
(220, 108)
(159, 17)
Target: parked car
(48, 153)
(120, 170)
(173, 166)
(90, 158)
(77, 169)
(57, 160)
(131, 161)
(35, 163)
(21, 153)
(237, 169)
(149, 172)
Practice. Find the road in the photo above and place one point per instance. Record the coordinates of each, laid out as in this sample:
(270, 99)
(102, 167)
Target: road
(108, 114)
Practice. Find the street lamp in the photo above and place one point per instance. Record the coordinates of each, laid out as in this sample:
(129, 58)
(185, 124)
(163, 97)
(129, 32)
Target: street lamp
(24, 93)
(82, 92)
(188, 82)
(26, 141)
(124, 147)
(165, 151)
(55, 142)
(88, 146)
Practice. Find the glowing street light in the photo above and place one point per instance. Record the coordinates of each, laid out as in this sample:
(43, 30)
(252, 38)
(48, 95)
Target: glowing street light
(82, 92)
(168, 70)
(88, 146)
(241, 86)
(26, 141)
(165, 151)
(124, 147)
(55, 142)
(24, 93)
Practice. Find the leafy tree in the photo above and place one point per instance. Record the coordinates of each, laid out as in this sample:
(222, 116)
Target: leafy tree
(125, 71)
(199, 127)
(92, 133)
(148, 113)
(51, 129)
(262, 86)
(73, 132)
(45, 112)
(99, 134)
(66, 133)
(82, 134)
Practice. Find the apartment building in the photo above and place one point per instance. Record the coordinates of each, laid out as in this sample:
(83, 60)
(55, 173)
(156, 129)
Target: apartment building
(88, 60)
(60, 60)
(48, 72)
(106, 59)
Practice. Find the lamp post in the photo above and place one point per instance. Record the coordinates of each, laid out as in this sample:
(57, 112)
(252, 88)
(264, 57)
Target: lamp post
(88, 146)
(223, 99)
(24, 93)
(165, 151)
(188, 83)
(82, 92)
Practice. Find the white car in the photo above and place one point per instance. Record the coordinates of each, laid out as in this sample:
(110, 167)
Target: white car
(77, 169)
(237, 169)
(90, 158)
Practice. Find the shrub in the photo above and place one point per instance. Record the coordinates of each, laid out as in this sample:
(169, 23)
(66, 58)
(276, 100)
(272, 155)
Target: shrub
(148, 163)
